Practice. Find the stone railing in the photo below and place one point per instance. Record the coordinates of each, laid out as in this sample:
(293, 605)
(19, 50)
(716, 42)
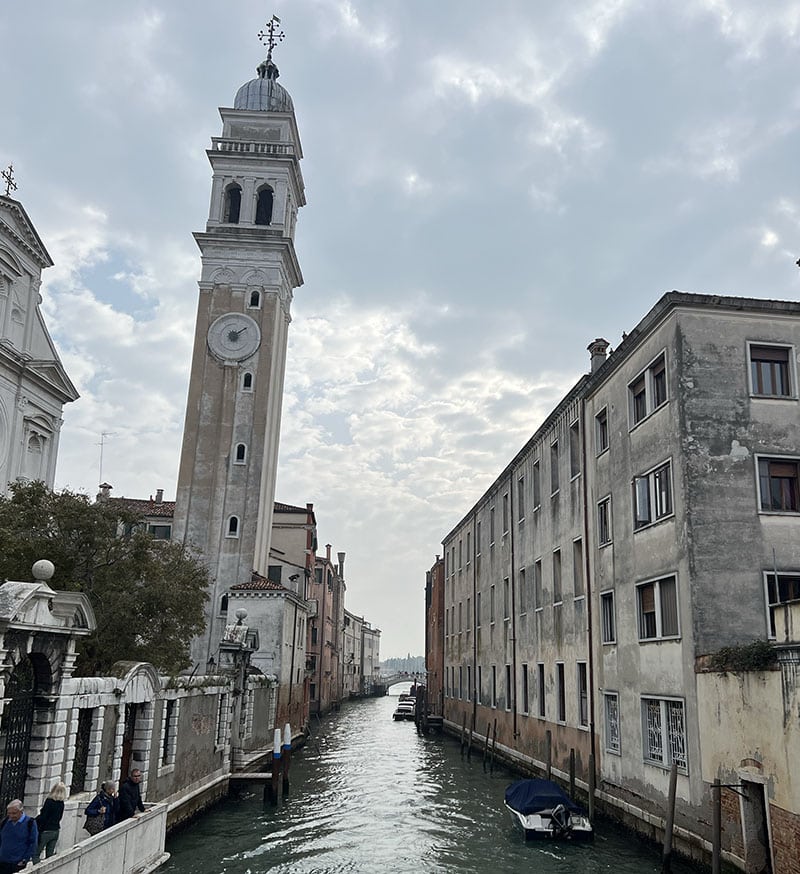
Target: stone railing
(135, 845)
(218, 144)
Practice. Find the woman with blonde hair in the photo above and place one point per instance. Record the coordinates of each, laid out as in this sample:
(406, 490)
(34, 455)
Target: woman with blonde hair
(49, 821)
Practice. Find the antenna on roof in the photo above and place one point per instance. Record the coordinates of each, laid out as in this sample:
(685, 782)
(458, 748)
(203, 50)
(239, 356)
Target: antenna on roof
(101, 444)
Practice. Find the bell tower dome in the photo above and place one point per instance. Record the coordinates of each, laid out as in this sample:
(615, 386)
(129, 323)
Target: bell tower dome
(226, 480)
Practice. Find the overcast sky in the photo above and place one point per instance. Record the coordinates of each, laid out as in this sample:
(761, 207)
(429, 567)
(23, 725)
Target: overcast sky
(490, 187)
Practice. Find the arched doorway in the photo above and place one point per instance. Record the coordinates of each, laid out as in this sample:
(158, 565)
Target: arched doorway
(15, 731)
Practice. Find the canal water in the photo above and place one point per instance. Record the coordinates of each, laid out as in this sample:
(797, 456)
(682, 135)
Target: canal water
(370, 795)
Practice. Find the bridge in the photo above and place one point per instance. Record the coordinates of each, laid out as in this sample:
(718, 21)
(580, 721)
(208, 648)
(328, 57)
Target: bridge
(398, 677)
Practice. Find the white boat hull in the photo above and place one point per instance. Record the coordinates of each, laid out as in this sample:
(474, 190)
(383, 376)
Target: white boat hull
(569, 826)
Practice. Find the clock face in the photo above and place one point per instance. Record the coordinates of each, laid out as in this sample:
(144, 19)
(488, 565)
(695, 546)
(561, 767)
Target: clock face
(234, 337)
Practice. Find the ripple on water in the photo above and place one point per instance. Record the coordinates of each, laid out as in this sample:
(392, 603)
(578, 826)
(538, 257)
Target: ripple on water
(369, 795)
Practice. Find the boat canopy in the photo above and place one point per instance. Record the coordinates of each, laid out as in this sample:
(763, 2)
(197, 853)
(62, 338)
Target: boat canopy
(534, 796)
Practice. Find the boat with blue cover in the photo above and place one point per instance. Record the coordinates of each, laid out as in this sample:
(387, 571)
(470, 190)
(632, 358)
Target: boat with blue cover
(543, 810)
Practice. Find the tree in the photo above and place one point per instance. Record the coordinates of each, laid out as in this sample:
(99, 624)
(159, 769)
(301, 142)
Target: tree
(147, 594)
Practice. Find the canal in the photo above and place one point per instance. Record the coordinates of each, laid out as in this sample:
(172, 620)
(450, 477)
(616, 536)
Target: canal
(368, 794)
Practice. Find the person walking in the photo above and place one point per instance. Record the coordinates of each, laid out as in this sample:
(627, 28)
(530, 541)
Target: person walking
(19, 837)
(130, 797)
(103, 804)
(49, 821)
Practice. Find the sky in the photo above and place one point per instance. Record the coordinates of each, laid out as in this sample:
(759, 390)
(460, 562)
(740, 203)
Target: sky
(490, 187)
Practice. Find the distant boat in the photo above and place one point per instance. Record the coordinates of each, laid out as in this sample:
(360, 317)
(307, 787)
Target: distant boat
(543, 810)
(406, 708)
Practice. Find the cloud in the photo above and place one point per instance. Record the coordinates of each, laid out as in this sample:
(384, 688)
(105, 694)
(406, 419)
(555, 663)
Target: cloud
(751, 26)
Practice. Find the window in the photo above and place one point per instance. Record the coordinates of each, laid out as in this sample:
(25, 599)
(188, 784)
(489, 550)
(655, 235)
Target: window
(561, 693)
(469, 552)
(494, 685)
(478, 538)
(223, 605)
(478, 610)
(478, 691)
(525, 691)
(506, 599)
(611, 701)
(491, 527)
(264, 206)
(652, 496)
(247, 381)
(537, 486)
(521, 499)
(557, 598)
(255, 300)
(508, 687)
(604, 521)
(538, 594)
(469, 614)
(608, 627)
(169, 731)
(777, 483)
(663, 732)
(233, 527)
(460, 555)
(460, 682)
(274, 572)
(787, 589)
(658, 609)
(241, 454)
(460, 617)
(233, 203)
(491, 604)
(469, 682)
(540, 689)
(648, 391)
(160, 532)
(505, 513)
(770, 374)
(583, 695)
(523, 592)
(554, 486)
(601, 432)
(574, 449)
(577, 569)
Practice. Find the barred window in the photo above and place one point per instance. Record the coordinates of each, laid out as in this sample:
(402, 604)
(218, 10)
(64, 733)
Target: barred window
(611, 700)
(664, 732)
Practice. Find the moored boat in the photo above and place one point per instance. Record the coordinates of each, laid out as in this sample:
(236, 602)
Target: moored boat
(543, 810)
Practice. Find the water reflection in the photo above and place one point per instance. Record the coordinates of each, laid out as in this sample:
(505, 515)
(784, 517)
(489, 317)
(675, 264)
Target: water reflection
(369, 795)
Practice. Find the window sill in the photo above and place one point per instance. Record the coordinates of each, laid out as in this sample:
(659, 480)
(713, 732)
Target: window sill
(575, 476)
(608, 642)
(758, 397)
(579, 598)
(604, 545)
(601, 452)
(662, 767)
(649, 415)
(763, 512)
(613, 752)
(654, 522)
(673, 638)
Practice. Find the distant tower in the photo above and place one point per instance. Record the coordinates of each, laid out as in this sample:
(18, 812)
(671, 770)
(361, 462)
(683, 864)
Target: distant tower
(226, 481)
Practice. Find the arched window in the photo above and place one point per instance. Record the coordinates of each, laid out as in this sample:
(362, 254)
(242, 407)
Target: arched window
(223, 605)
(35, 454)
(247, 381)
(233, 526)
(233, 203)
(264, 206)
(241, 454)
(255, 300)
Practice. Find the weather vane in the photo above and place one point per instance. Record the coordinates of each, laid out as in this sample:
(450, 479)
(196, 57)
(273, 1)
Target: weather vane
(271, 36)
(8, 176)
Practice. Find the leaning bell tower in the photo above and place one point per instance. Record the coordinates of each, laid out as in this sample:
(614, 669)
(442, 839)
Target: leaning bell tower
(226, 480)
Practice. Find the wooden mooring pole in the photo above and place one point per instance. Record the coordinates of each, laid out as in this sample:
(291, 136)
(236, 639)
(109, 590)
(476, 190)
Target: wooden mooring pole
(486, 745)
(494, 747)
(591, 787)
(463, 733)
(666, 862)
(271, 788)
(548, 753)
(572, 774)
(716, 826)
(287, 757)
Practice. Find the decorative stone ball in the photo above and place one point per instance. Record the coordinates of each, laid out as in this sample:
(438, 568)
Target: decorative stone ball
(241, 613)
(43, 569)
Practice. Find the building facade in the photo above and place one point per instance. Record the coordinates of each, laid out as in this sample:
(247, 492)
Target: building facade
(34, 386)
(649, 522)
(226, 479)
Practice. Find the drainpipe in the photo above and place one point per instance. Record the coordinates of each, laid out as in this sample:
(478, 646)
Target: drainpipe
(513, 607)
(291, 663)
(587, 565)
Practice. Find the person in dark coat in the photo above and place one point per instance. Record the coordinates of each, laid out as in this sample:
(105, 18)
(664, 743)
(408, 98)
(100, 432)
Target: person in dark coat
(105, 802)
(49, 821)
(19, 836)
(130, 797)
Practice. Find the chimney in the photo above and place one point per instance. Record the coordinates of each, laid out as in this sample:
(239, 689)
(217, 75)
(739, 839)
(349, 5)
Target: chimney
(328, 551)
(341, 556)
(597, 350)
(105, 492)
(159, 496)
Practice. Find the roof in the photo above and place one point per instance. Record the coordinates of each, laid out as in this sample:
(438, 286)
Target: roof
(278, 507)
(259, 583)
(165, 509)
(264, 94)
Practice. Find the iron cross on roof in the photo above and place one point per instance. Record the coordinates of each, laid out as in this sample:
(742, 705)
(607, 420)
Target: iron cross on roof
(8, 176)
(271, 36)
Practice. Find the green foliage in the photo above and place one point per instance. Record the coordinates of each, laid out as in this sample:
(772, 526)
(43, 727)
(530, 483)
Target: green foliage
(756, 656)
(147, 595)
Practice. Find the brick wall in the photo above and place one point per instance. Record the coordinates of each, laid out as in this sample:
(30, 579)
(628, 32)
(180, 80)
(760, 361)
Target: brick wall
(785, 840)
